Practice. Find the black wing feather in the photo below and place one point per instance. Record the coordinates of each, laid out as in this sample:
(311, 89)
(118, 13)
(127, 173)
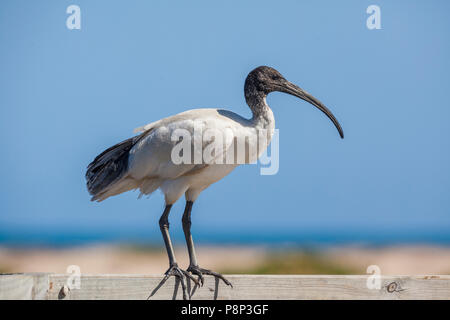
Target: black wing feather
(108, 167)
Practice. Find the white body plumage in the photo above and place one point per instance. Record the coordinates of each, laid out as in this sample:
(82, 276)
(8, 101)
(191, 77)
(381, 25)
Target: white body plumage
(150, 163)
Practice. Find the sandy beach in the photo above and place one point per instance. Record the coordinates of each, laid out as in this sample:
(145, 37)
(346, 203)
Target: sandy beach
(400, 260)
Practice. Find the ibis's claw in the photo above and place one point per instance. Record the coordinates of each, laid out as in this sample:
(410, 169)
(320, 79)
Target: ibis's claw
(175, 271)
(200, 272)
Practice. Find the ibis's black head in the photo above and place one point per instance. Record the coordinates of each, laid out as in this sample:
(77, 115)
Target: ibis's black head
(264, 80)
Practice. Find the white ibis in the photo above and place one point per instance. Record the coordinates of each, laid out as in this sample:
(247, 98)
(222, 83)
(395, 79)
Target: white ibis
(145, 162)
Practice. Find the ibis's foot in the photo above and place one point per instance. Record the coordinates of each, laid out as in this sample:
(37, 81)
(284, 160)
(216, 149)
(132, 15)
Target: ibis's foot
(200, 272)
(175, 271)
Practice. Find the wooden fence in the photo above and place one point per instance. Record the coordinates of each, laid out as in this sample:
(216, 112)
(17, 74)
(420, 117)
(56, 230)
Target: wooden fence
(42, 286)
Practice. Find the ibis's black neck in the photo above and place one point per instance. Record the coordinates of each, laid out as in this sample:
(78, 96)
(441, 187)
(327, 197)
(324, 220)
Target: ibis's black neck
(256, 99)
(257, 104)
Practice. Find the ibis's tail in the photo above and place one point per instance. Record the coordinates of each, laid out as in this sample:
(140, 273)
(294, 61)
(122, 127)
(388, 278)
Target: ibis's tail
(107, 169)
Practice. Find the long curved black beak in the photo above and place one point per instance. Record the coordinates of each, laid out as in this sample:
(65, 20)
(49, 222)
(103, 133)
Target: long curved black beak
(294, 90)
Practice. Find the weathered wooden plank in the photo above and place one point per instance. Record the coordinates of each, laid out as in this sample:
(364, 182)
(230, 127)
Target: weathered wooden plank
(31, 286)
(55, 286)
(257, 287)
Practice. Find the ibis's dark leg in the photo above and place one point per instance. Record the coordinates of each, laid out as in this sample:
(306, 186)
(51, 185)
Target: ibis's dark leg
(193, 265)
(187, 233)
(173, 270)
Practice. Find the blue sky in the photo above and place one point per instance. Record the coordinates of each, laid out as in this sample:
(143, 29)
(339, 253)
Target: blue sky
(68, 94)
